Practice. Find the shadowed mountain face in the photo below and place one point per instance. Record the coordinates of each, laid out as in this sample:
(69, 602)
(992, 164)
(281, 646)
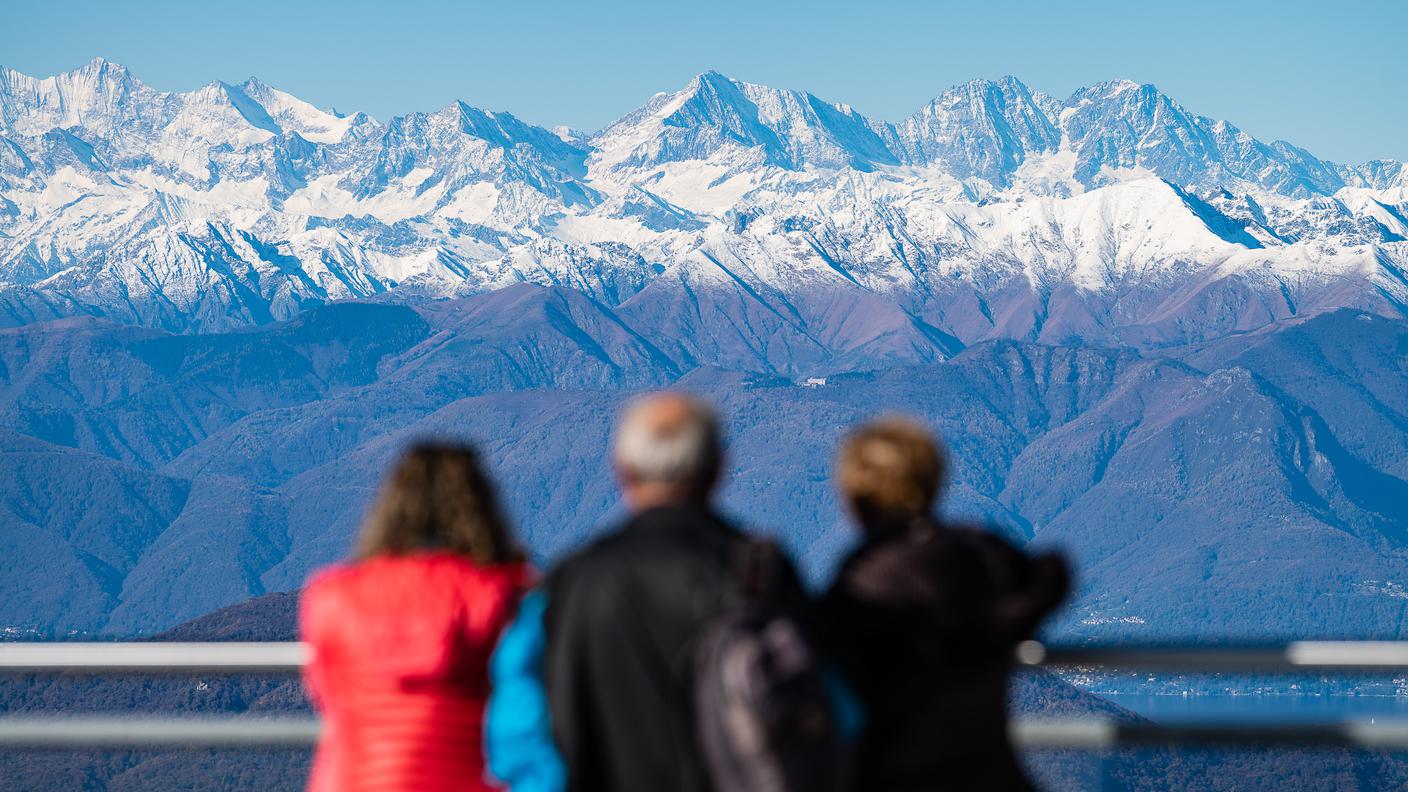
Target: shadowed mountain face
(1251, 486)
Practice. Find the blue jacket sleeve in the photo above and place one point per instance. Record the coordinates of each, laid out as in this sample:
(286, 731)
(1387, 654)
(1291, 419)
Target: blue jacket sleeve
(846, 706)
(518, 740)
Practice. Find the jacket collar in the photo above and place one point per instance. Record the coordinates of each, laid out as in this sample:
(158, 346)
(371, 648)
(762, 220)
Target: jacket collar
(676, 515)
(888, 527)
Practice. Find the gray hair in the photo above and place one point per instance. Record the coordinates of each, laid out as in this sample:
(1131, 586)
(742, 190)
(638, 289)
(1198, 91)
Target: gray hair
(670, 438)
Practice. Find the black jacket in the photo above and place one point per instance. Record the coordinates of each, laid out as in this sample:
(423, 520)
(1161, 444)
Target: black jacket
(622, 621)
(924, 619)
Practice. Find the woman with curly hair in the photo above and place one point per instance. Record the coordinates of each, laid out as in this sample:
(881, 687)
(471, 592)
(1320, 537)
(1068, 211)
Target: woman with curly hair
(402, 634)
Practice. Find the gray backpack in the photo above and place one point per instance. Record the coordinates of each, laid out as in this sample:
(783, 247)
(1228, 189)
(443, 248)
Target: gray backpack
(764, 716)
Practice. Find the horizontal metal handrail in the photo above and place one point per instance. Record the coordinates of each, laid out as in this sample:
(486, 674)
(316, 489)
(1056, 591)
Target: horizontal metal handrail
(1100, 734)
(1030, 733)
(29, 731)
(289, 657)
(155, 657)
(1297, 656)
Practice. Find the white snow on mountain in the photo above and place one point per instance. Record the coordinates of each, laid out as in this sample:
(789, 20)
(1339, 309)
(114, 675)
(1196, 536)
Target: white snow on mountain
(993, 210)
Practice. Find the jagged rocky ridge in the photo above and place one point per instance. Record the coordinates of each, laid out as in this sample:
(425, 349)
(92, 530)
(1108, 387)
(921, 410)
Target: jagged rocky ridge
(995, 211)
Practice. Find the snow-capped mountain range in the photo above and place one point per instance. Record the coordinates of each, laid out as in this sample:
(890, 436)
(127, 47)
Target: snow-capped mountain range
(993, 211)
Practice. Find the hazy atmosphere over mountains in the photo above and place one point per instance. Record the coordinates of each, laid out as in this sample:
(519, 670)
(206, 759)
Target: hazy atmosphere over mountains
(1179, 351)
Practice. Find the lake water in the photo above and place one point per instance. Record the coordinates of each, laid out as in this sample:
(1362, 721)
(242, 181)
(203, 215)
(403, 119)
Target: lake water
(1279, 708)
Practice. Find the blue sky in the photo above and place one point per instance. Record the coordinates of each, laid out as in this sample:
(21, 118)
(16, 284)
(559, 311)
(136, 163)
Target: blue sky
(1332, 77)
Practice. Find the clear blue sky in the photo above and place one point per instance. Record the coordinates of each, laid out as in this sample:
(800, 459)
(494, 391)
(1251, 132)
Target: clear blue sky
(1330, 76)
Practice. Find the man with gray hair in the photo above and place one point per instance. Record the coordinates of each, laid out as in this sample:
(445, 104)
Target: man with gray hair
(613, 630)
(667, 450)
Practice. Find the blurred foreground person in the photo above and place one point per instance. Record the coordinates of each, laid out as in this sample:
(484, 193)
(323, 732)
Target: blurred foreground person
(631, 638)
(926, 618)
(402, 635)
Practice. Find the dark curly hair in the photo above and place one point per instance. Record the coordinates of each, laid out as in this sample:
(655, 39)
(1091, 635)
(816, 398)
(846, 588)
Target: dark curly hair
(438, 498)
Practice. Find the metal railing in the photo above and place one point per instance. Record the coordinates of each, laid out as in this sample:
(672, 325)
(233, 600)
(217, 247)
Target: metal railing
(155, 657)
(32, 731)
(289, 657)
(50, 731)
(1297, 656)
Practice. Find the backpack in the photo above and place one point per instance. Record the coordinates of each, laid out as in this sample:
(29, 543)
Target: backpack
(764, 716)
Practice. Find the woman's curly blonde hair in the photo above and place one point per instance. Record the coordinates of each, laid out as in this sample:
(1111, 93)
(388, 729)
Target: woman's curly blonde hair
(891, 468)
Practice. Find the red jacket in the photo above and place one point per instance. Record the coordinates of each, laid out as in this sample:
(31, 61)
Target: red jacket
(399, 671)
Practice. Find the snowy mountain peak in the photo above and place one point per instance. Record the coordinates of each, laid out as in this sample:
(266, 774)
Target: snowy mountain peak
(250, 109)
(1121, 125)
(981, 129)
(1116, 87)
(99, 94)
(239, 203)
(97, 70)
(712, 77)
(742, 127)
(1382, 175)
(294, 114)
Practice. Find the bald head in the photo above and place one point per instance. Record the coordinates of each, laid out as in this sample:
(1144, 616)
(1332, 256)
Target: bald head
(667, 449)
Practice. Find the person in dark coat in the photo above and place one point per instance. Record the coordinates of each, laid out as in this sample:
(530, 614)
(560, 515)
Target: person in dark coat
(613, 630)
(925, 618)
